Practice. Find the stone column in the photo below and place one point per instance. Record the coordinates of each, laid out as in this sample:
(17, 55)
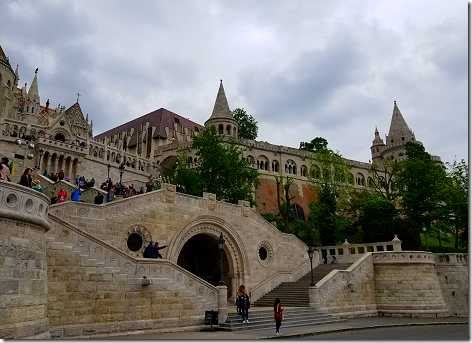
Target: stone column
(23, 282)
(314, 297)
(222, 304)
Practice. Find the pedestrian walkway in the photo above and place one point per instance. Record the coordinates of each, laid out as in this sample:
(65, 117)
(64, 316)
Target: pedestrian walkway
(291, 332)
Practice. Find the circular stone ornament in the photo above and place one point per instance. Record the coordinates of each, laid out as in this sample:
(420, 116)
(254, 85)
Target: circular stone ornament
(265, 253)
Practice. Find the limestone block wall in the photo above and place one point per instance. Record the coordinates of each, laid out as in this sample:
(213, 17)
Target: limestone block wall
(172, 218)
(97, 289)
(452, 271)
(23, 275)
(350, 292)
(406, 285)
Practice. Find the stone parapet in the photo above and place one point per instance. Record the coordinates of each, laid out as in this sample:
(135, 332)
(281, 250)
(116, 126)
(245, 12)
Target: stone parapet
(23, 268)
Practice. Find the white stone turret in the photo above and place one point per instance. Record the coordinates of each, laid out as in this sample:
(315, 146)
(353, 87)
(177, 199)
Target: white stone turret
(377, 147)
(222, 117)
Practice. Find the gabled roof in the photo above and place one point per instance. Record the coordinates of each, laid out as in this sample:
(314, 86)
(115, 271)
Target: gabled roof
(160, 119)
(75, 113)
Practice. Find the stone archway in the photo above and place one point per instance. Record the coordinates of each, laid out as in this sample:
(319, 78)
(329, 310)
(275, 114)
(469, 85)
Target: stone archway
(208, 230)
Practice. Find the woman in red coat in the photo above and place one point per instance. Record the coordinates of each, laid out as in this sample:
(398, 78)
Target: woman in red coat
(277, 315)
(62, 195)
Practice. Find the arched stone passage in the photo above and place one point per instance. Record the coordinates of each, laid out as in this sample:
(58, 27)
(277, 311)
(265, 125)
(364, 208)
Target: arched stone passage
(201, 257)
(235, 252)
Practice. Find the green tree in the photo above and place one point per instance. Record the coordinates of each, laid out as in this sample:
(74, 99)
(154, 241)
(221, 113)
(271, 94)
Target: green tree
(419, 181)
(247, 124)
(316, 144)
(323, 216)
(223, 169)
(383, 176)
(284, 202)
(184, 175)
(376, 220)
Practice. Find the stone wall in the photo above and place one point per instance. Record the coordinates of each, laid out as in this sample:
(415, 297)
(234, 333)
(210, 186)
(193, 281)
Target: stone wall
(23, 276)
(95, 289)
(406, 285)
(172, 218)
(350, 292)
(452, 271)
(51, 189)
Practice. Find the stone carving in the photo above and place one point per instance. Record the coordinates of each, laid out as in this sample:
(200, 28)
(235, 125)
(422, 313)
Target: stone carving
(170, 193)
(143, 232)
(113, 259)
(65, 233)
(246, 208)
(98, 251)
(270, 255)
(127, 267)
(211, 202)
(179, 278)
(201, 290)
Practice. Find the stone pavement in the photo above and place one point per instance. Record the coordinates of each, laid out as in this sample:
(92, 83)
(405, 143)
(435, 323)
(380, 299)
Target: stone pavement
(301, 331)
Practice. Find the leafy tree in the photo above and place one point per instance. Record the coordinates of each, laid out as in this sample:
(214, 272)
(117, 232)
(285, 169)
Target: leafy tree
(419, 181)
(323, 215)
(284, 204)
(455, 199)
(183, 174)
(270, 217)
(247, 124)
(223, 169)
(378, 215)
(317, 144)
(383, 176)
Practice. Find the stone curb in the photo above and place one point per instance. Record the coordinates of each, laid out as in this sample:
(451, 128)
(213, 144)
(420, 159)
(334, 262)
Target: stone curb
(315, 333)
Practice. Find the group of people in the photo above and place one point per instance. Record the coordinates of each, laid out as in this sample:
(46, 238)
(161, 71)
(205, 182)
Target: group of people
(152, 251)
(114, 189)
(243, 304)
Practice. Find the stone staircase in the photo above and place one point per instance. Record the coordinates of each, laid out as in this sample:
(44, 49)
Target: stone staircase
(296, 293)
(264, 319)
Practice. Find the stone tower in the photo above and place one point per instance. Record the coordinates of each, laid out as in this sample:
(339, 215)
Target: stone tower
(222, 118)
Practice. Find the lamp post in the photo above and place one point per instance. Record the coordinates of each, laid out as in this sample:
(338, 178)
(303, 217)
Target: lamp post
(221, 246)
(310, 255)
(41, 151)
(109, 167)
(122, 169)
(28, 145)
(423, 227)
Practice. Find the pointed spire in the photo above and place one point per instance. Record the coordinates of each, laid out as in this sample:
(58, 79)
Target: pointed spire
(398, 126)
(221, 108)
(33, 91)
(17, 77)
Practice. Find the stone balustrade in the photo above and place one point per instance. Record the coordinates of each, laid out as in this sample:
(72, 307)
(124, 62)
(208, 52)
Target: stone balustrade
(349, 253)
(452, 259)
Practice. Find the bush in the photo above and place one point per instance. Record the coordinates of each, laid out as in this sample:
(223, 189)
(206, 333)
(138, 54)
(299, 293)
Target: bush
(270, 217)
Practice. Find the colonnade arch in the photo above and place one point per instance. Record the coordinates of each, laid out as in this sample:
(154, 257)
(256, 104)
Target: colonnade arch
(54, 162)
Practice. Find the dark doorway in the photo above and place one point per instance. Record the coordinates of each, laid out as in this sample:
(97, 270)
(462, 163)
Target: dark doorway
(201, 257)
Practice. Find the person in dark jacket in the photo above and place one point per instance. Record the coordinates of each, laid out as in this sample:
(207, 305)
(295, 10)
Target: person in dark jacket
(98, 199)
(155, 250)
(277, 315)
(111, 194)
(245, 304)
(26, 178)
(61, 175)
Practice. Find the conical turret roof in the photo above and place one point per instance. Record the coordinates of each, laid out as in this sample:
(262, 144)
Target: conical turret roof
(398, 124)
(221, 108)
(377, 140)
(33, 91)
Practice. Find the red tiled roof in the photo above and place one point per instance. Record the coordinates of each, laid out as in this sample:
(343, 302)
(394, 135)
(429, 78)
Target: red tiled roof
(160, 118)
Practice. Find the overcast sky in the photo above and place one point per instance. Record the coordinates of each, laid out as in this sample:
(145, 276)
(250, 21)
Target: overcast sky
(303, 69)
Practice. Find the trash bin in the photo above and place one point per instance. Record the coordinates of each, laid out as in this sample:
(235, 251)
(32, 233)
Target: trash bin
(211, 318)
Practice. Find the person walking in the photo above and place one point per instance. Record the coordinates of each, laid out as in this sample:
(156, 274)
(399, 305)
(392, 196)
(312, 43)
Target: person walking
(26, 178)
(62, 195)
(75, 194)
(245, 304)
(239, 293)
(277, 315)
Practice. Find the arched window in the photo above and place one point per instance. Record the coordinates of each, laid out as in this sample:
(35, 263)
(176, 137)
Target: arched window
(220, 129)
(290, 167)
(190, 160)
(360, 179)
(297, 212)
(60, 137)
(303, 171)
(275, 166)
(234, 132)
(228, 130)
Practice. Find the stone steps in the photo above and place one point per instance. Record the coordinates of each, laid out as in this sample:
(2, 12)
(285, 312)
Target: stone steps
(297, 293)
(264, 319)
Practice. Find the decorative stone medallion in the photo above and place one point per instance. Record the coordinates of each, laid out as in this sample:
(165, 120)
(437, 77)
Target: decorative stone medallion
(145, 237)
(264, 253)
